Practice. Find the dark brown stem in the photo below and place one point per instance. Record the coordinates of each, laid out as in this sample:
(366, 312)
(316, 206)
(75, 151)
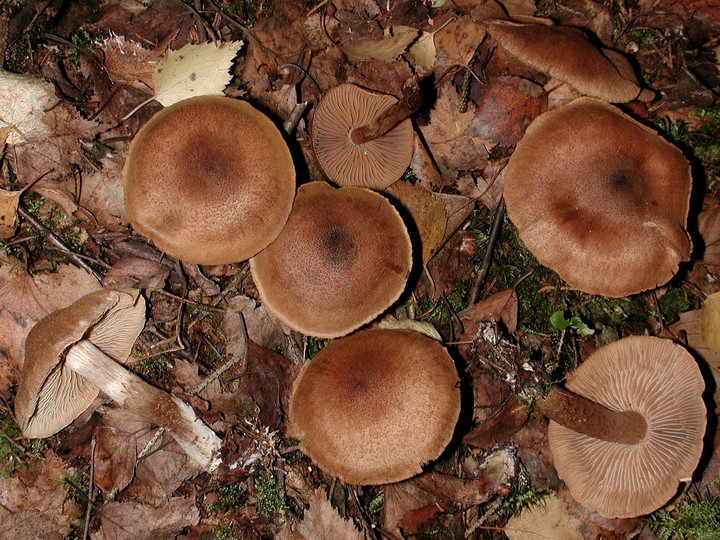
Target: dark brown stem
(412, 98)
(592, 419)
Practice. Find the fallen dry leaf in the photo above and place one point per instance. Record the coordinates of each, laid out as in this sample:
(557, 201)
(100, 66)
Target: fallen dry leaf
(422, 53)
(21, 108)
(133, 520)
(457, 41)
(710, 321)
(452, 140)
(427, 213)
(501, 307)
(37, 494)
(194, 70)
(137, 273)
(114, 459)
(387, 48)
(322, 522)
(548, 520)
(129, 62)
(9, 201)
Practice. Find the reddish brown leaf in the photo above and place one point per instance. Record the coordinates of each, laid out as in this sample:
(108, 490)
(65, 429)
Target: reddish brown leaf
(133, 520)
(115, 457)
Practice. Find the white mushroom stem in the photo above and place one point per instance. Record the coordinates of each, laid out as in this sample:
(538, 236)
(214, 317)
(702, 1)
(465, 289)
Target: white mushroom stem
(154, 405)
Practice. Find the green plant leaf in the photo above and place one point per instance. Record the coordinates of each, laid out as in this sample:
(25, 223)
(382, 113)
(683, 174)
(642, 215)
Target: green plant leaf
(558, 320)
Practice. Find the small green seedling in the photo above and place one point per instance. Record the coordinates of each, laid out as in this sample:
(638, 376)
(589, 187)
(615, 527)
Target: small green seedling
(558, 320)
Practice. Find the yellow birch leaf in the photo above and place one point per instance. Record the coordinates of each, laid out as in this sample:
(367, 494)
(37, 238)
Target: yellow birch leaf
(422, 53)
(194, 70)
(710, 321)
(427, 213)
(456, 43)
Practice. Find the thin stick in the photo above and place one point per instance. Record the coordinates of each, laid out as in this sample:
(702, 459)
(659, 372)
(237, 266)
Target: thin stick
(487, 257)
(91, 490)
(56, 241)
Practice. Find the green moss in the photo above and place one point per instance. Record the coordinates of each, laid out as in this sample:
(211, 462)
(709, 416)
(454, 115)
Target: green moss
(267, 495)
(223, 532)
(645, 38)
(695, 520)
(674, 302)
(13, 455)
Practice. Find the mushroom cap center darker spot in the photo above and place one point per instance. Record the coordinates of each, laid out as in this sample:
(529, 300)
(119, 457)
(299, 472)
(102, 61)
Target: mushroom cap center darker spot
(208, 166)
(621, 180)
(338, 246)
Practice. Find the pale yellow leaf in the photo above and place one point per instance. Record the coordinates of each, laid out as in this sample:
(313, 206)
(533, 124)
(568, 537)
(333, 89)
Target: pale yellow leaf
(194, 70)
(22, 107)
(422, 53)
(548, 520)
(422, 327)
(385, 49)
(710, 321)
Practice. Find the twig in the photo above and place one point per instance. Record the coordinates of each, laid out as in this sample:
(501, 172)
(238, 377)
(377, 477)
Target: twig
(208, 307)
(234, 359)
(56, 241)
(152, 442)
(487, 257)
(295, 115)
(91, 490)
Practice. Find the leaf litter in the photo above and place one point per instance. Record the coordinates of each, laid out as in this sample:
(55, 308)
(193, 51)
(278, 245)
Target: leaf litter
(478, 104)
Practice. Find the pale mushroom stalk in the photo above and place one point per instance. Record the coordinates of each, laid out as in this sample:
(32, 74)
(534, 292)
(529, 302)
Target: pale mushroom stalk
(410, 102)
(147, 401)
(592, 419)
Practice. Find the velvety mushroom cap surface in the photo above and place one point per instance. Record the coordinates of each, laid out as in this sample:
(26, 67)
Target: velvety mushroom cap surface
(658, 379)
(342, 259)
(600, 199)
(374, 407)
(566, 54)
(50, 396)
(375, 164)
(210, 180)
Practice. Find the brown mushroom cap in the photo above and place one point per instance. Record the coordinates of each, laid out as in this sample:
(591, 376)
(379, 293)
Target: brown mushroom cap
(374, 407)
(600, 199)
(210, 180)
(375, 164)
(50, 396)
(566, 54)
(342, 259)
(658, 379)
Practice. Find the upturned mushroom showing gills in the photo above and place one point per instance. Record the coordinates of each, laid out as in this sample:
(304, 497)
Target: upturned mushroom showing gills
(342, 259)
(348, 150)
(376, 406)
(74, 353)
(210, 180)
(600, 199)
(630, 428)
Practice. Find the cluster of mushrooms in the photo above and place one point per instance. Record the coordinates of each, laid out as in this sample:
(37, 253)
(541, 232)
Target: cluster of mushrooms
(595, 195)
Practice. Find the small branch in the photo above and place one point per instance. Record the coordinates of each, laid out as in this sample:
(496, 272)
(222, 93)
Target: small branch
(592, 419)
(91, 490)
(412, 99)
(487, 257)
(57, 242)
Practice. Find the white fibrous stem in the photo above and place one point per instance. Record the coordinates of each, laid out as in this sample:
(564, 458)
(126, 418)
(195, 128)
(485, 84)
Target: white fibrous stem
(152, 404)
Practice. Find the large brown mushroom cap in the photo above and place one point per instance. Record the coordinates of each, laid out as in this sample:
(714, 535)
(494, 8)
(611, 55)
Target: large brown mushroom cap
(658, 379)
(374, 407)
(49, 395)
(210, 180)
(600, 199)
(566, 54)
(375, 164)
(342, 259)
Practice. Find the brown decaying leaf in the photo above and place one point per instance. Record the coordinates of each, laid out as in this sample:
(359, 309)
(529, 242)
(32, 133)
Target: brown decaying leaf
(452, 140)
(321, 522)
(129, 62)
(262, 327)
(114, 459)
(501, 307)
(133, 520)
(710, 322)
(137, 273)
(387, 48)
(35, 494)
(709, 229)
(427, 213)
(9, 201)
(457, 41)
